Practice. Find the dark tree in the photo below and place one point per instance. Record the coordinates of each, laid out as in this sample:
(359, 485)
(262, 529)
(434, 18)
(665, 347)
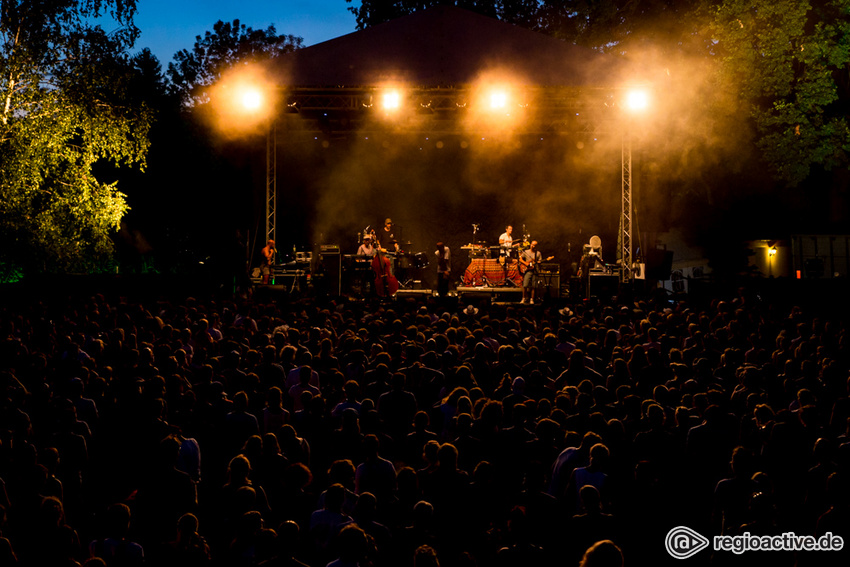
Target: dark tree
(227, 45)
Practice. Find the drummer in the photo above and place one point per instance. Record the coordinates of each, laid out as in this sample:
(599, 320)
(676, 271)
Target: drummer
(386, 237)
(506, 243)
(505, 239)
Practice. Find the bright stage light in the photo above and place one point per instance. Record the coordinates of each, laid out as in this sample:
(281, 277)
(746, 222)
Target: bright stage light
(252, 99)
(391, 100)
(772, 251)
(498, 100)
(637, 100)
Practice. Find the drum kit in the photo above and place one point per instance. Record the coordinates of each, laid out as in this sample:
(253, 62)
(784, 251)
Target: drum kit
(494, 265)
(478, 249)
(410, 260)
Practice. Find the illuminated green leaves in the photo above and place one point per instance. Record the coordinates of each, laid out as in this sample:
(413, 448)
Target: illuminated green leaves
(66, 108)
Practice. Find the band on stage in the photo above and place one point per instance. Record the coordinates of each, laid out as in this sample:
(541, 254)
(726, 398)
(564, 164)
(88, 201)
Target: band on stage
(515, 262)
(385, 263)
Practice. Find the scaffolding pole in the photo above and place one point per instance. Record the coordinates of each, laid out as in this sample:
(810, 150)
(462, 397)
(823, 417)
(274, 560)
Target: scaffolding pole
(626, 211)
(271, 180)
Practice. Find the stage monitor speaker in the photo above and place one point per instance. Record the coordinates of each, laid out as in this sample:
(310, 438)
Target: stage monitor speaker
(603, 285)
(659, 264)
(331, 270)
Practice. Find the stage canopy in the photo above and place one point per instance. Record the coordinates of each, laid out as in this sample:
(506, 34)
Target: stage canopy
(440, 55)
(445, 46)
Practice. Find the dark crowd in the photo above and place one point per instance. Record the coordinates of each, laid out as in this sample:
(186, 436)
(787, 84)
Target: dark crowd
(247, 432)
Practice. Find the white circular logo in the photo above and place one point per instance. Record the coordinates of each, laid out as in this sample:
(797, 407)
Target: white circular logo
(683, 542)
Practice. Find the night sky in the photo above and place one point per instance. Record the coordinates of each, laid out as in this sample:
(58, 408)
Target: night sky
(168, 26)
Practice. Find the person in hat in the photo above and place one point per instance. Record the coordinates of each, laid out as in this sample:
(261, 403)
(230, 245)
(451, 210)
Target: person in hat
(386, 237)
(367, 249)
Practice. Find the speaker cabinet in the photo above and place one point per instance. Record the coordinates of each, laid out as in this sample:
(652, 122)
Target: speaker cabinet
(549, 285)
(330, 269)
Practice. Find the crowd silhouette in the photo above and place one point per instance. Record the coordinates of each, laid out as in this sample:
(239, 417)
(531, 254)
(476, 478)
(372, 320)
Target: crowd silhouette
(246, 432)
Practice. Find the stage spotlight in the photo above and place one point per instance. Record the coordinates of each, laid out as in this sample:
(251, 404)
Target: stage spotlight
(391, 100)
(252, 99)
(637, 100)
(498, 100)
(772, 250)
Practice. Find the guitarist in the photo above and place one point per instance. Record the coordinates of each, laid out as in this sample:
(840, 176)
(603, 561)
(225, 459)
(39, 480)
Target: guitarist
(528, 260)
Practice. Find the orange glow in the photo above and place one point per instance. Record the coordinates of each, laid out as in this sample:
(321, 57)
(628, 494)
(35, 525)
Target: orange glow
(252, 99)
(497, 106)
(243, 100)
(498, 99)
(637, 100)
(391, 100)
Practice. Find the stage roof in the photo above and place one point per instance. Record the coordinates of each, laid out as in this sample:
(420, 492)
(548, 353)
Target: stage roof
(445, 46)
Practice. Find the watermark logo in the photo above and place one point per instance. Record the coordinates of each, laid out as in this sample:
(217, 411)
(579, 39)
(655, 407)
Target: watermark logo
(683, 542)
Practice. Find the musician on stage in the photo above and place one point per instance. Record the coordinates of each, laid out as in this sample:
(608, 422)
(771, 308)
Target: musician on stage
(268, 253)
(528, 260)
(444, 268)
(506, 240)
(386, 237)
(505, 247)
(368, 248)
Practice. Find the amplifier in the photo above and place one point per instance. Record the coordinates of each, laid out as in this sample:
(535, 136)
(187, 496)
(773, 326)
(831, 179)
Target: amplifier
(548, 268)
(329, 248)
(329, 268)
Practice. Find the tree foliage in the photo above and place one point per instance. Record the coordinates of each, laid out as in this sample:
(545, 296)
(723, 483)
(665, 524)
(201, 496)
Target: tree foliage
(373, 12)
(65, 109)
(788, 62)
(227, 44)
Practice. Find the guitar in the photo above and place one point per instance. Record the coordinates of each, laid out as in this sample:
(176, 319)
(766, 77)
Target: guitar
(526, 266)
